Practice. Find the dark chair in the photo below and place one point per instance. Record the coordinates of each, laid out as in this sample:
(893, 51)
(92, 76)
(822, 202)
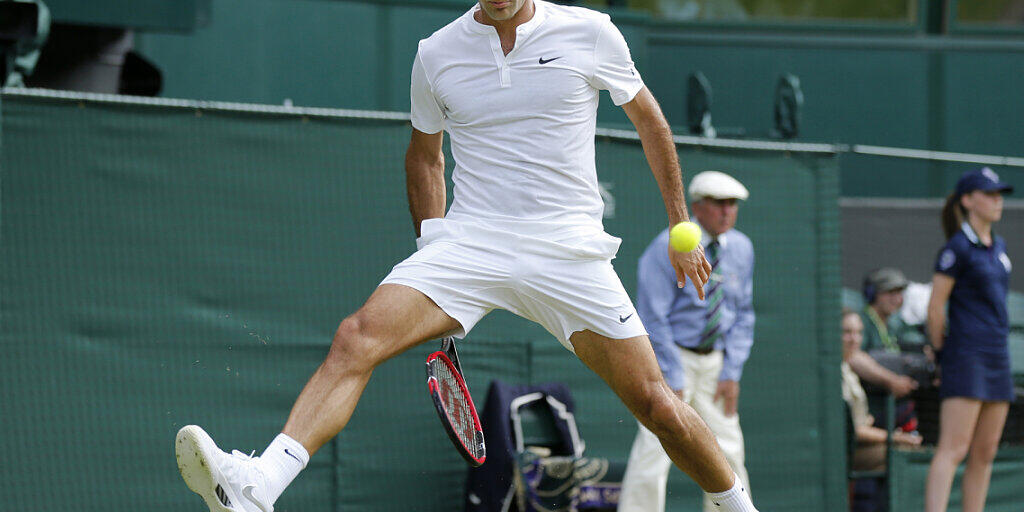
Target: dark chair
(535, 421)
(535, 456)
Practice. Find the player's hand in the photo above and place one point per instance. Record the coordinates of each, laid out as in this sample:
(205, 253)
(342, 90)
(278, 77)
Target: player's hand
(691, 264)
(679, 394)
(729, 392)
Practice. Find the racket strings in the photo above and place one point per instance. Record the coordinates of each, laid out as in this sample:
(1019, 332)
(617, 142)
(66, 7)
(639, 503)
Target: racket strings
(455, 404)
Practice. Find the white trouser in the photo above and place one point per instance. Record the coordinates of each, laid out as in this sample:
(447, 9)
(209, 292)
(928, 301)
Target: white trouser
(643, 486)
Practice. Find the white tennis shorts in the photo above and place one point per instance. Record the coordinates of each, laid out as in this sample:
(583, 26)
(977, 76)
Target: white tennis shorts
(565, 283)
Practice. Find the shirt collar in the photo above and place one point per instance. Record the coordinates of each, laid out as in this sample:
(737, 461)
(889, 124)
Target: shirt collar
(973, 236)
(705, 238)
(969, 231)
(522, 31)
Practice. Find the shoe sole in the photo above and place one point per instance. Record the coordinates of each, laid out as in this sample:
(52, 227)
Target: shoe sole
(193, 448)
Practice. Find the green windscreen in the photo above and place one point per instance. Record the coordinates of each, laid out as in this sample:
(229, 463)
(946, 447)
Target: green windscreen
(167, 263)
(155, 15)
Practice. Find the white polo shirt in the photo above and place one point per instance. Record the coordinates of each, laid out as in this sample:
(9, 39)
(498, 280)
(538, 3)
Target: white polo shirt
(522, 125)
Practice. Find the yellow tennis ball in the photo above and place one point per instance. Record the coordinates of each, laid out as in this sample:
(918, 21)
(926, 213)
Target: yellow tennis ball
(684, 236)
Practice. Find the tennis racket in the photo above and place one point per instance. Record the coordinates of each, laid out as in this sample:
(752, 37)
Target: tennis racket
(454, 404)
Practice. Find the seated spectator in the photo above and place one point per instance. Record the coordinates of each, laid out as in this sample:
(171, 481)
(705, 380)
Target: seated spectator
(884, 328)
(869, 454)
(877, 360)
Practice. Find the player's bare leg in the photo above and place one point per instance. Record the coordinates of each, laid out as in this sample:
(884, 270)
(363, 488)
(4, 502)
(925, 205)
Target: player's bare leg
(393, 319)
(631, 370)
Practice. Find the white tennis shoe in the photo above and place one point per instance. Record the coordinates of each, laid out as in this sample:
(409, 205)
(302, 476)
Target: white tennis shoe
(228, 482)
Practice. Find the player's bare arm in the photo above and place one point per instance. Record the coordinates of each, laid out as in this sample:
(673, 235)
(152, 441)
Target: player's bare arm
(660, 150)
(424, 177)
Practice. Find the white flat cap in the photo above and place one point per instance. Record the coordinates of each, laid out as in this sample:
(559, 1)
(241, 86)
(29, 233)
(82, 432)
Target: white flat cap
(716, 185)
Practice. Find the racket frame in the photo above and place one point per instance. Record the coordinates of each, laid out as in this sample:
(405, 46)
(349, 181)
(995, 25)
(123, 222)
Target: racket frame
(450, 356)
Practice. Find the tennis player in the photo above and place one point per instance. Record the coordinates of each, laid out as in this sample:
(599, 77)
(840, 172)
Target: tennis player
(515, 83)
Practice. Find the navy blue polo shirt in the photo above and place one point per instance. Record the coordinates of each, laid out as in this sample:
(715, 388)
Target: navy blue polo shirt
(977, 305)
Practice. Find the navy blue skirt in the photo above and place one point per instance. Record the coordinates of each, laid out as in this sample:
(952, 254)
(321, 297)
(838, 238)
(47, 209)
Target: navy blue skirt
(984, 376)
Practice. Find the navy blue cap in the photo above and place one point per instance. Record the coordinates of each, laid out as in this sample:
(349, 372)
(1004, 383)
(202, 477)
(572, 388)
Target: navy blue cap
(984, 179)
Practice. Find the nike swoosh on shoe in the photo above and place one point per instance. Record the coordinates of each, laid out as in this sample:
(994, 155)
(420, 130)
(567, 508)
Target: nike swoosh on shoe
(247, 491)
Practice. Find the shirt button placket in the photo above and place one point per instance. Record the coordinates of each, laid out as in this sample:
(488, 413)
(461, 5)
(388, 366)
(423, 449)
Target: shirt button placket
(504, 76)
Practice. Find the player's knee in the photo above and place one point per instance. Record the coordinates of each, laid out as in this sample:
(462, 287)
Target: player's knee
(663, 414)
(353, 346)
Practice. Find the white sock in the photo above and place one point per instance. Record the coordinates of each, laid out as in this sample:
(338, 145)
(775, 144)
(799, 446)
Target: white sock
(733, 500)
(281, 462)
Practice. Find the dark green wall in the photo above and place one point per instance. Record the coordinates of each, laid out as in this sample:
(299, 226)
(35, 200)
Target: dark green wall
(852, 93)
(984, 105)
(891, 87)
(886, 91)
(160, 15)
(263, 51)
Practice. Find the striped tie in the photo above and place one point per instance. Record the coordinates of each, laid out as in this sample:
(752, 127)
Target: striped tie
(714, 294)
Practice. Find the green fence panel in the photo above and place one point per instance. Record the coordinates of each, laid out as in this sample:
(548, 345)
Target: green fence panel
(910, 469)
(164, 265)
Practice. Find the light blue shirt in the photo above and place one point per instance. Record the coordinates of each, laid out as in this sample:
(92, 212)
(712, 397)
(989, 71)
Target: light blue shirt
(675, 316)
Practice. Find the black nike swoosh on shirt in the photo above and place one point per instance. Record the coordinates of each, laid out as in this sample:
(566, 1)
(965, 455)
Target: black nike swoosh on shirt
(542, 61)
(622, 319)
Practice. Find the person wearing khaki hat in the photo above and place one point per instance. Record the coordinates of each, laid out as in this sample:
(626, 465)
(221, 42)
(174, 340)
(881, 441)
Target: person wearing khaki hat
(701, 345)
(883, 297)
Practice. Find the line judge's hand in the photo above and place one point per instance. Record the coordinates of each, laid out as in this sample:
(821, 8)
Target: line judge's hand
(691, 264)
(729, 392)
